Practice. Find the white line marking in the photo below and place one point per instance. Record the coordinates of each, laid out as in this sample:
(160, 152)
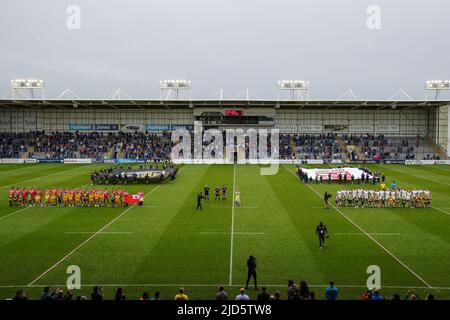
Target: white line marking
(238, 207)
(34, 179)
(14, 212)
(361, 234)
(86, 241)
(441, 210)
(235, 233)
(104, 232)
(368, 235)
(177, 285)
(232, 227)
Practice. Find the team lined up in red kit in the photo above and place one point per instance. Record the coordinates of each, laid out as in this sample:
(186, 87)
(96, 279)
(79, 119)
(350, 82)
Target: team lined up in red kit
(72, 197)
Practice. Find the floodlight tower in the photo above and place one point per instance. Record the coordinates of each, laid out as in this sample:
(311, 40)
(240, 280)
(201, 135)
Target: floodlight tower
(296, 88)
(171, 87)
(437, 86)
(25, 88)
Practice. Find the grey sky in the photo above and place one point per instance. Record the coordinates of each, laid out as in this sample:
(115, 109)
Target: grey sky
(233, 44)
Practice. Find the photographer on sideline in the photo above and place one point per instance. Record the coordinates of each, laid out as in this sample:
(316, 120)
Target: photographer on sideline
(326, 197)
(251, 268)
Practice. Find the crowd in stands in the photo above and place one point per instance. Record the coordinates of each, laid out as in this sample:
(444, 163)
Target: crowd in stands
(380, 147)
(147, 145)
(292, 293)
(14, 145)
(317, 146)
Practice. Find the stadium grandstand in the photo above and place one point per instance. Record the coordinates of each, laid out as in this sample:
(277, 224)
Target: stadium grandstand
(326, 130)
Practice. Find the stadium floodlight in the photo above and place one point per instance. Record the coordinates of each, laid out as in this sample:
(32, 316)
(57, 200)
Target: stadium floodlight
(179, 84)
(27, 84)
(295, 86)
(25, 88)
(173, 86)
(437, 85)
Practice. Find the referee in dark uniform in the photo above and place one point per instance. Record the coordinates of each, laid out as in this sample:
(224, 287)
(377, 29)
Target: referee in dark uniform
(199, 201)
(251, 271)
(206, 190)
(322, 234)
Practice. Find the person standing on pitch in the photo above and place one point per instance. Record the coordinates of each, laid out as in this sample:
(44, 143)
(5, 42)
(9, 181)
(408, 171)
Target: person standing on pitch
(237, 198)
(322, 234)
(200, 197)
(206, 190)
(326, 197)
(251, 271)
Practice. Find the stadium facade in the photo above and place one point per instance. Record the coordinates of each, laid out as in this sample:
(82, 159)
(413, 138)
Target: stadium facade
(394, 118)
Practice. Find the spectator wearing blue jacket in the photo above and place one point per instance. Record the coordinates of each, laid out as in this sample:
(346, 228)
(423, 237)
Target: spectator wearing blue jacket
(331, 293)
(376, 296)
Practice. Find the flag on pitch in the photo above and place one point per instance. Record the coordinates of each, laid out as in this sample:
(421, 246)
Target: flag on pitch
(133, 199)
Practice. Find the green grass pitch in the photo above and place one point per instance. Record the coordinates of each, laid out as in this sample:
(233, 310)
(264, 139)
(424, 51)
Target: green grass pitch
(167, 243)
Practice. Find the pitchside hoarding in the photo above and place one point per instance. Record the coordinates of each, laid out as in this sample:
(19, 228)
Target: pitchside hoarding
(80, 127)
(93, 127)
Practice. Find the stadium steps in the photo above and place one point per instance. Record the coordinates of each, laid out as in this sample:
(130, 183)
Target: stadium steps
(343, 146)
(436, 149)
(293, 144)
(26, 154)
(110, 153)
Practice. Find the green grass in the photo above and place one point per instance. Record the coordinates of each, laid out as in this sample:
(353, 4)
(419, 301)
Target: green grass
(168, 243)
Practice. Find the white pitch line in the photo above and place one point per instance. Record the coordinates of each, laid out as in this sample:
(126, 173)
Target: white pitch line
(232, 227)
(34, 179)
(235, 233)
(441, 210)
(238, 207)
(368, 235)
(86, 241)
(361, 234)
(104, 232)
(14, 212)
(177, 285)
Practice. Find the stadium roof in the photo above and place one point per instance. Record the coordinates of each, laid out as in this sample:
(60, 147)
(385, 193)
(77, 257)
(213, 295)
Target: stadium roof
(177, 104)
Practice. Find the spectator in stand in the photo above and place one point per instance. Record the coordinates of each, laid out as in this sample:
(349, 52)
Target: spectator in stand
(367, 295)
(156, 296)
(276, 296)
(291, 290)
(145, 296)
(46, 295)
(242, 296)
(429, 297)
(376, 296)
(20, 295)
(331, 292)
(221, 294)
(120, 295)
(304, 292)
(68, 295)
(263, 296)
(395, 297)
(97, 294)
(181, 296)
(411, 295)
